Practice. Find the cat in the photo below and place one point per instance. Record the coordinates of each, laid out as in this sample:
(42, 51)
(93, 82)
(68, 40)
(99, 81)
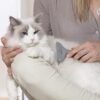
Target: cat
(32, 38)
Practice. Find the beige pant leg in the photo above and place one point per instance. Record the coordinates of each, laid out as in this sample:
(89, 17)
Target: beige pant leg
(42, 82)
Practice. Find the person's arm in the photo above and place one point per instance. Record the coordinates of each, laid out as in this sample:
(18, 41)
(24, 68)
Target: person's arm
(42, 7)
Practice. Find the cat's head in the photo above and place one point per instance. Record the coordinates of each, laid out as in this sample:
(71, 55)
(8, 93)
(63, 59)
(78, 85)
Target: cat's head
(28, 32)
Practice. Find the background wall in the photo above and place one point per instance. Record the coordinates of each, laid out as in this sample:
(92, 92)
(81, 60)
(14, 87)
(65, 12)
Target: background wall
(27, 8)
(18, 8)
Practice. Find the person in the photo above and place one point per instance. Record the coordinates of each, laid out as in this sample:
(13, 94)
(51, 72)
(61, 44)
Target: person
(71, 20)
(74, 22)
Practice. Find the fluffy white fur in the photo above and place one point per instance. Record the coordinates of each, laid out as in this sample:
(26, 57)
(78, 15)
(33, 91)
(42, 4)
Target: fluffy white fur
(34, 44)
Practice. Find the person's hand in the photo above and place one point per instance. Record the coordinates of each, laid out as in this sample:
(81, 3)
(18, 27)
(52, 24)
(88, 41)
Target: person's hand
(87, 52)
(8, 53)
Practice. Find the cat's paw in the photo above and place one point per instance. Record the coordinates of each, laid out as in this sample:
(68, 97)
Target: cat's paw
(32, 53)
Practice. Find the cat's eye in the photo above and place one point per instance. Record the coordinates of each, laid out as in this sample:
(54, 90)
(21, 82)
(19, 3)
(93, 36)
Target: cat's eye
(36, 31)
(24, 33)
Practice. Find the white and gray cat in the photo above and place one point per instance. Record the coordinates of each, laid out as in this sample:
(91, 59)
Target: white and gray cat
(32, 38)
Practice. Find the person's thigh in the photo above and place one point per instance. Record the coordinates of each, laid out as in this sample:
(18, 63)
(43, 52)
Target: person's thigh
(31, 73)
(43, 82)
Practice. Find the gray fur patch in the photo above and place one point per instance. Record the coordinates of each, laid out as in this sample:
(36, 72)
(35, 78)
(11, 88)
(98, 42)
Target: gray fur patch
(61, 52)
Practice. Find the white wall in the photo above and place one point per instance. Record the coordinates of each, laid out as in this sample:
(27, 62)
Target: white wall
(27, 8)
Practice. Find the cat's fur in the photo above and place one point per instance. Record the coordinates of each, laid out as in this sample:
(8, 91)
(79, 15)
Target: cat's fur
(32, 38)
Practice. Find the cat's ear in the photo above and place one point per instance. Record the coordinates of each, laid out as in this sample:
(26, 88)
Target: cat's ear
(14, 22)
(38, 18)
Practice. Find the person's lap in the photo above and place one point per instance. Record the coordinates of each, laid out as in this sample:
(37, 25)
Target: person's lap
(43, 82)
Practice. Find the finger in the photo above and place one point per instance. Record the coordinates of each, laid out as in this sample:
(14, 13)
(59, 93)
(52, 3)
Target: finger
(8, 62)
(76, 50)
(81, 53)
(81, 47)
(4, 41)
(8, 50)
(11, 60)
(14, 53)
(72, 53)
(91, 60)
(86, 57)
(9, 72)
(2, 51)
(19, 51)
